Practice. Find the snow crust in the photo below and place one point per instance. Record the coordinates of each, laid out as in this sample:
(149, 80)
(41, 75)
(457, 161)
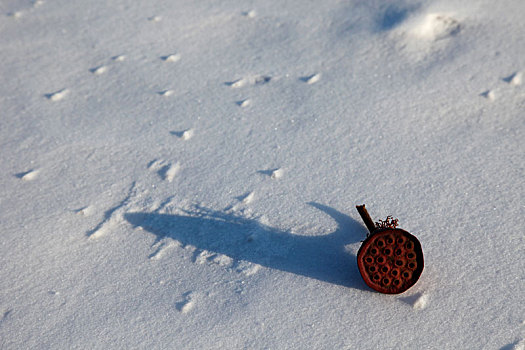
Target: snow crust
(184, 174)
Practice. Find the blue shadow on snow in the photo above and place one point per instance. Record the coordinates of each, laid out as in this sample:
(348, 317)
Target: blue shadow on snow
(320, 257)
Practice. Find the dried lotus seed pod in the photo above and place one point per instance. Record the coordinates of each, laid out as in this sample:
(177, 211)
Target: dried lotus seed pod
(390, 260)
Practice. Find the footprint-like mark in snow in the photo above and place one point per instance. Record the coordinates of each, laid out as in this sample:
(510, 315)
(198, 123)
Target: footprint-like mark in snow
(155, 18)
(15, 14)
(28, 175)
(169, 171)
(185, 134)
(119, 58)
(85, 211)
(311, 79)
(244, 199)
(162, 248)
(166, 171)
(250, 14)
(57, 95)
(437, 26)
(5, 316)
(156, 164)
(419, 301)
(244, 103)
(187, 303)
(247, 268)
(517, 345)
(273, 173)
(277, 173)
(171, 58)
(247, 198)
(205, 256)
(166, 93)
(489, 94)
(99, 70)
(514, 79)
(249, 81)
(112, 216)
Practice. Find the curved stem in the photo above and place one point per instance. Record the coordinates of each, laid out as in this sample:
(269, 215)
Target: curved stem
(370, 225)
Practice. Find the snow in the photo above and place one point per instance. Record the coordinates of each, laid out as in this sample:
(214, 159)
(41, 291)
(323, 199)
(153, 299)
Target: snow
(185, 174)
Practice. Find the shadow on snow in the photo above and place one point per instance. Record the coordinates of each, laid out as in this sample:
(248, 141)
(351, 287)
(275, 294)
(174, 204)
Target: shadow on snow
(320, 257)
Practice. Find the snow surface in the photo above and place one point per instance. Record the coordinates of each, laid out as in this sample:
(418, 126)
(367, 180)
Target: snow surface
(184, 174)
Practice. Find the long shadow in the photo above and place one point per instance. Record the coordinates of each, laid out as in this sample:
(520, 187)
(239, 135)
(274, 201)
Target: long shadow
(320, 257)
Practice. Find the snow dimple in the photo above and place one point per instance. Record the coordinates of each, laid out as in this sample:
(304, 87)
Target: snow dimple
(113, 216)
(5, 315)
(166, 170)
(247, 268)
(205, 256)
(156, 164)
(169, 171)
(162, 248)
(489, 95)
(85, 211)
(99, 70)
(514, 79)
(244, 103)
(437, 26)
(166, 93)
(248, 198)
(202, 257)
(277, 173)
(418, 301)
(119, 58)
(517, 345)
(57, 95)
(187, 304)
(187, 134)
(249, 81)
(250, 14)
(171, 58)
(155, 18)
(15, 14)
(28, 175)
(421, 302)
(184, 134)
(311, 79)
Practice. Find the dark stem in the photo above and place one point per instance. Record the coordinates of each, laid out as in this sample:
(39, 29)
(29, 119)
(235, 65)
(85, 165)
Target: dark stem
(370, 225)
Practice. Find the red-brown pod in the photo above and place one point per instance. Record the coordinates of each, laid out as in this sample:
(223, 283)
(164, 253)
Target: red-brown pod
(390, 260)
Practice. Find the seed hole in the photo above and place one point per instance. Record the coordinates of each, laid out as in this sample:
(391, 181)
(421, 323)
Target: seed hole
(399, 251)
(389, 240)
(411, 265)
(394, 272)
(399, 263)
(372, 269)
(406, 274)
(400, 240)
(380, 260)
(387, 251)
(396, 282)
(373, 251)
(411, 255)
(386, 281)
(380, 243)
(377, 277)
(384, 269)
(409, 245)
(369, 260)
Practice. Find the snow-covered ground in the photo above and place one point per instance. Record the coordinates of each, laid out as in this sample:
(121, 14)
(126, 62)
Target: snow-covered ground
(184, 174)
